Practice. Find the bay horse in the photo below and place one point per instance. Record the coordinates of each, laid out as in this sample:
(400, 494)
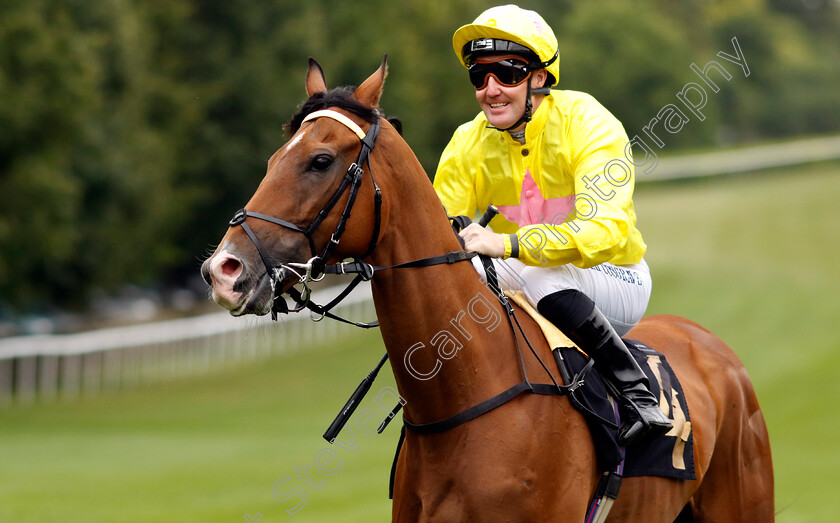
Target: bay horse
(531, 459)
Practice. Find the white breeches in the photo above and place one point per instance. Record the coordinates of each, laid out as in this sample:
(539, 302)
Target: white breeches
(621, 292)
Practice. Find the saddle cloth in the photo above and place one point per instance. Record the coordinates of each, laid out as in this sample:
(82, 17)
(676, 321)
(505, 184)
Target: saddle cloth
(671, 455)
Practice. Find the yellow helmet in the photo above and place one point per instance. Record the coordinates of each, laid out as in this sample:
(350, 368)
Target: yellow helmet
(510, 29)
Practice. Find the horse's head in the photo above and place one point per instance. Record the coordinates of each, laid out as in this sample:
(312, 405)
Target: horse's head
(291, 226)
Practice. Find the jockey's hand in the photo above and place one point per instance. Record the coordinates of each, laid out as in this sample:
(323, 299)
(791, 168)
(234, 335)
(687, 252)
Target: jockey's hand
(483, 241)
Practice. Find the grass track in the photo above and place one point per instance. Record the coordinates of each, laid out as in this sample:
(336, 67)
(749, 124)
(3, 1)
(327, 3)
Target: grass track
(208, 449)
(753, 258)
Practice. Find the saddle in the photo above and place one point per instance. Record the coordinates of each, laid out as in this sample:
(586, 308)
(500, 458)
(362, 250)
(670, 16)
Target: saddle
(671, 455)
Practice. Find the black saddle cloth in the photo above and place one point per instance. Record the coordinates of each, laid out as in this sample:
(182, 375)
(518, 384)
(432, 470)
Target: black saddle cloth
(671, 455)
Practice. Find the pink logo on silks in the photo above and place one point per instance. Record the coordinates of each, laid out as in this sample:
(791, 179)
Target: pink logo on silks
(535, 19)
(534, 208)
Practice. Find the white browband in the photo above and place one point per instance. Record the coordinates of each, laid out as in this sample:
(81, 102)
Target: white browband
(339, 118)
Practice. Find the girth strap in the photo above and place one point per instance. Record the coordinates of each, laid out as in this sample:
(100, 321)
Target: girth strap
(545, 389)
(485, 406)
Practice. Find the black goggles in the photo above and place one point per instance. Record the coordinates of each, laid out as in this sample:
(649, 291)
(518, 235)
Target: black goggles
(507, 72)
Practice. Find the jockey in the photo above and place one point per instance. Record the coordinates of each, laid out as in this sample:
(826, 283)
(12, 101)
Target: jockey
(554, 164)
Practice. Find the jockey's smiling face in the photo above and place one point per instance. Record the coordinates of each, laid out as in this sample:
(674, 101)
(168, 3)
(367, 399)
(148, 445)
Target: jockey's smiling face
(503, 104)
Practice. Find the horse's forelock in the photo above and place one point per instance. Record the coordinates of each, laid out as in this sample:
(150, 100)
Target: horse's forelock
(339, 98)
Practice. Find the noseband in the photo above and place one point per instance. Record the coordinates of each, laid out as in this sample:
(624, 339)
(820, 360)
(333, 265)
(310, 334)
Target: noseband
(313, 270)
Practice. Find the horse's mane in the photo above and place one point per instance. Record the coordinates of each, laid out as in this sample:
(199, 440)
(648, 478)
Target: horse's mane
(340, 98)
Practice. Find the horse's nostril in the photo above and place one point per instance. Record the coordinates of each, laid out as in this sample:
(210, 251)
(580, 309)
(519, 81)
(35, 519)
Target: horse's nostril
(231, 267)
(205, 273)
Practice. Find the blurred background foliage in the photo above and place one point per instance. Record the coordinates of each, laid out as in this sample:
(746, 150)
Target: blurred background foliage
(130, 131)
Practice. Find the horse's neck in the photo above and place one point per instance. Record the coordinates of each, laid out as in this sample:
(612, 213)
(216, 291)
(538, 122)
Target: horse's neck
(443, 329)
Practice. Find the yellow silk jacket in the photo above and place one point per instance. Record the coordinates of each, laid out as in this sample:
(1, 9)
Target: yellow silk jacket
(564, 197)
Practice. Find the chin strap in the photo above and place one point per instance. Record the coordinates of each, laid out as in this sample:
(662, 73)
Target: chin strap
(529, 107)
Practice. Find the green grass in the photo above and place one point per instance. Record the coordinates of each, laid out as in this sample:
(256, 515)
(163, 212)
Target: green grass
(207, 449)
(754, 258)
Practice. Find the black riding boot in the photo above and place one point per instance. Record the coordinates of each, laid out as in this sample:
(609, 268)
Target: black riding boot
(576, 315)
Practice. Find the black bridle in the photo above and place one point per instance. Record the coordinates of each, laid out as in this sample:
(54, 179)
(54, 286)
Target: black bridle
(315, 268)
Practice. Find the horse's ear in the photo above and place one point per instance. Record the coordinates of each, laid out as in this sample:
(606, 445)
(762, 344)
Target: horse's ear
(315, 81)
(371, 89)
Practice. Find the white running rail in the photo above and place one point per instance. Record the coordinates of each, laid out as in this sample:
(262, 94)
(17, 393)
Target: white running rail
(48, 367)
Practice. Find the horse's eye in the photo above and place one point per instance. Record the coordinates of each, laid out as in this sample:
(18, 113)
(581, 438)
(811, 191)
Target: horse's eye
(321, 163)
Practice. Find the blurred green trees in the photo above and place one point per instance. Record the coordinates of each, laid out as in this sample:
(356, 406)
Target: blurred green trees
(131, 130)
